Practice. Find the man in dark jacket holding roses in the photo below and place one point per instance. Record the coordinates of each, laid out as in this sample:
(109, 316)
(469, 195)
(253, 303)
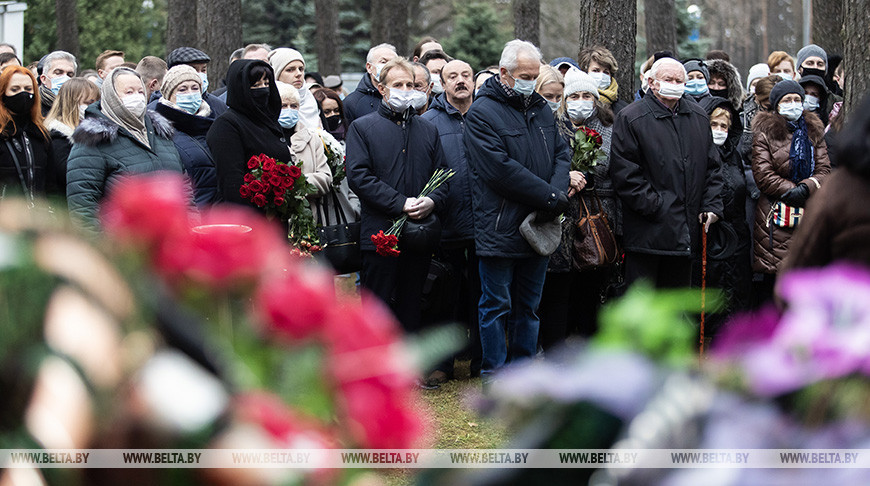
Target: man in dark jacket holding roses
(665, 168)
(391, 155)
(519, 165)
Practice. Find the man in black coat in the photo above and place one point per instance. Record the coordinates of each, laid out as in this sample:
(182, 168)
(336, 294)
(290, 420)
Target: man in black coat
(665, 168)
(391, 155)
(367, 96)
(519, 164)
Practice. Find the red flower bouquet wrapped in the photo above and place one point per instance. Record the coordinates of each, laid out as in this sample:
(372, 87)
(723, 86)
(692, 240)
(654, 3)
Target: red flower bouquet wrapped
(280, 189)
(587, 149)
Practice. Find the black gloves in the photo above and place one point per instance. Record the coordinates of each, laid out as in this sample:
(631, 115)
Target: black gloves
(796, 197)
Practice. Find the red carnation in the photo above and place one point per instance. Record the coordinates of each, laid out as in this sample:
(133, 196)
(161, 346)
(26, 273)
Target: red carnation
(385, 244)
(297, 306)
(259, 200)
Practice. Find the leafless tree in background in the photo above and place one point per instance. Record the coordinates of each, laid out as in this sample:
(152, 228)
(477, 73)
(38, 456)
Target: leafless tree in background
(527, 20)
(180, 24)
(218, 33)
(828, 25)
(612, 24)
(328, 39)
(857, 54)
(390, 24)
(661, 26)
(67, 26)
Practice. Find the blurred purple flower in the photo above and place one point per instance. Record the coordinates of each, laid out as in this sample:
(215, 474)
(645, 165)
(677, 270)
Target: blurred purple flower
(746, 331)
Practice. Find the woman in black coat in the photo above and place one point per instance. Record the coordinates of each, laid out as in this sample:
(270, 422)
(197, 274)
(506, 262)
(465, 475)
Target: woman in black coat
(249, 127)
(25, 146)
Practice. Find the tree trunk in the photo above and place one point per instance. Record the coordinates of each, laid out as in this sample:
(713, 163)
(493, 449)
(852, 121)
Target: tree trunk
(828, 25)
(612, 24)
(328, 38)
(67, 26)
(180, 24)
(661, 26)
(218, 33)
(390, 24)
(527, 20)
(857, 54)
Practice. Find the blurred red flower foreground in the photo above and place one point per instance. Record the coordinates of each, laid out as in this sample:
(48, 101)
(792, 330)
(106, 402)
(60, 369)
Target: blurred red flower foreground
(232, 249)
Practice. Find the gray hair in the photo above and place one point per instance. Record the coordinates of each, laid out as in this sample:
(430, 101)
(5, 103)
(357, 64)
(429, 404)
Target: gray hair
(237, 54)
(58, 56)
(370, 57)
(512, 50)
(663, 62)
(425, 70)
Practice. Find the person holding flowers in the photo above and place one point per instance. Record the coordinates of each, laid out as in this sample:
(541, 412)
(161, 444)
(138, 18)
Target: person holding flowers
(392, 155)
(571, 298)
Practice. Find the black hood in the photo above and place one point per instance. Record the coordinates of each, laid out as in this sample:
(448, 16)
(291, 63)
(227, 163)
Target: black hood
(736, 130)
(239, 94)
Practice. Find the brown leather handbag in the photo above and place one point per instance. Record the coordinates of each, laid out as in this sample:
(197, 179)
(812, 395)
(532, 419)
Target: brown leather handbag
(594, 242)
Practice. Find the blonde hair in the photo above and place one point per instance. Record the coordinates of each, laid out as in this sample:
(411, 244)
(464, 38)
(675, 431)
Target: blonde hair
(547, 75)
(720, 112)
(66, 106)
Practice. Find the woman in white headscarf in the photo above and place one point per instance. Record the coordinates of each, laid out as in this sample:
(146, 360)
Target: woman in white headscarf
(289, 67)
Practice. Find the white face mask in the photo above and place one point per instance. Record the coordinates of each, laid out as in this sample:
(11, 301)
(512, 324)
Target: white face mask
(436, 85)
(644, 83)
(811, 103)
(135, 103)
(601, 79)
(671, 91)
(580, 110)
(785, 75)
(418, 100)
(719, 137)
(378, 68)
(752, 89)
(554, 105)
(792, 110)
(401, 100)
(82, 109)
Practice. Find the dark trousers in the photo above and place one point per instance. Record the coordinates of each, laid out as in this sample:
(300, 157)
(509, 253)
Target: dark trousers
(660, 270)
(398, 282)
(570, 303)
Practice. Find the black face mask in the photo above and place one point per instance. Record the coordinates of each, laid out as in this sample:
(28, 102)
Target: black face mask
(19, 104)
(332, 122)
(722, 93)
(260, 96)
(810, 71)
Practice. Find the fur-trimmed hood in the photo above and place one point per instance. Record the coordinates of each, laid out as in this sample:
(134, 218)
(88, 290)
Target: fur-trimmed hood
(728, 72)
(775, 126)
(62, 128)
(98, 128)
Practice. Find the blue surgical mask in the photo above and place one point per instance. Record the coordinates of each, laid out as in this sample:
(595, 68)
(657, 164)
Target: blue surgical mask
(289, 117)
(204, 78)
(57, 82)
(554, 105)
(696, 87)
(524, 87)
(189, 102)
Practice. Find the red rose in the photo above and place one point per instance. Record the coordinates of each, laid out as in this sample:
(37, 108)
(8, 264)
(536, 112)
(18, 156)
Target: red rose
(249, 177)
(279, 201)
(275, 179)
(259, 200)
(146, 209)
(295, 171)
(281, 423)
(256, 186)
(245, 191)
(267, 188)
(269, 164)
(297, 306)
(283, 169)
(254, 162)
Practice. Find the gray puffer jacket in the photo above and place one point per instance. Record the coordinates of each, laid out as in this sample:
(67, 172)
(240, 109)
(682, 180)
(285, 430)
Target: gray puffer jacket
(103, 152)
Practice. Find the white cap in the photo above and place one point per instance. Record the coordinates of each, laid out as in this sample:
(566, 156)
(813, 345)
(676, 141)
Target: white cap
(576, 80)
(760, 70)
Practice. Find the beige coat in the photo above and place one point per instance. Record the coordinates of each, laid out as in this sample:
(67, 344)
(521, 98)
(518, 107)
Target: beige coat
(308, 148)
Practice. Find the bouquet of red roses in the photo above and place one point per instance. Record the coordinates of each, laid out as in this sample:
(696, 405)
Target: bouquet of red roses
(386, 244)
(587, 149)
(281, 189)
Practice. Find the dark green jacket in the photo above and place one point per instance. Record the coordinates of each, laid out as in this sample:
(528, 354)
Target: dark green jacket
(103, 152)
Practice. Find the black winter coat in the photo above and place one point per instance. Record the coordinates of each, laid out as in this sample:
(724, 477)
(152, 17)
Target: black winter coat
(244, 130)
(36, 173)
(390, 157)
(519, 163)
(457, 223)
(364, 100)
(190, 140)
(665, 168)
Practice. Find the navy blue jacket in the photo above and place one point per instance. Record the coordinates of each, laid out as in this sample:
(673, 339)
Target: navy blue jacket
(457, 223)
(190, 141)
(519, 163)
(364, 100)
(390, 157)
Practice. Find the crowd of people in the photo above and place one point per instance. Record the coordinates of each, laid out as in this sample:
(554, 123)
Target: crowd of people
(704, 175)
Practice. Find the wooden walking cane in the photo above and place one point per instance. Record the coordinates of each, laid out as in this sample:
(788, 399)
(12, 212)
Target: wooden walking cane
(703, 289)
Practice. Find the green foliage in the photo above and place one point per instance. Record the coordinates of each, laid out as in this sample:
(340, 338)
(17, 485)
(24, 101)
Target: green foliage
(138, 28)
(477, 37)
(685, 25)
(654, 322)
(356, 30)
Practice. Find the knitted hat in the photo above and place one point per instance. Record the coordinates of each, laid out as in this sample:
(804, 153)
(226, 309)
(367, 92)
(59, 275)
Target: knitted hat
(697, 65)
(576, 80)
(760, 70)
(186, 55)
(281, 57)
(810, 51)
(783, 88)
(176, 76)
